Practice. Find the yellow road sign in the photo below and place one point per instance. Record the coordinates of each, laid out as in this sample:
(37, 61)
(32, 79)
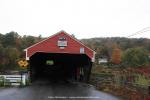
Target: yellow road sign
(23, 63)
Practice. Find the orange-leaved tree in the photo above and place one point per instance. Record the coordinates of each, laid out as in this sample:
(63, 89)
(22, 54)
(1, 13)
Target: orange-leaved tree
(116, 55)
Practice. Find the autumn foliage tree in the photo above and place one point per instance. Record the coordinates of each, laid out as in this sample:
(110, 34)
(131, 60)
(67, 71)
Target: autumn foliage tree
(136, 57)
(11, 49)
(116, 55)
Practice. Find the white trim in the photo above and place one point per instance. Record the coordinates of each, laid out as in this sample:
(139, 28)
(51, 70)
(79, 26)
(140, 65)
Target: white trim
(27, 58)
(93, 58)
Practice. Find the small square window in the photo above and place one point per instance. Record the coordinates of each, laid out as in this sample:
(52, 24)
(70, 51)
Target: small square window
(81, 50)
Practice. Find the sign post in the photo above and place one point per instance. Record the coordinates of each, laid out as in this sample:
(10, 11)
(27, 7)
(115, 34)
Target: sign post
(23, 65)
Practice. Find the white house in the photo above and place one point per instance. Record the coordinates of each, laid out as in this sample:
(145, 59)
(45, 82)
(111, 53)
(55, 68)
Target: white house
(102, 60)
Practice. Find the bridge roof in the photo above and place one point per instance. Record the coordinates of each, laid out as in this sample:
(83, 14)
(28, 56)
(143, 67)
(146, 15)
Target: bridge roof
(60, 42)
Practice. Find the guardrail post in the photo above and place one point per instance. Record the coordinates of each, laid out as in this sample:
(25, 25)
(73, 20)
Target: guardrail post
(149, 90)
(21, 79)
(24, 79)
(4, 80)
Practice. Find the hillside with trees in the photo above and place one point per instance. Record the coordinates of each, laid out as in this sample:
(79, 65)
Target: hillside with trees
(127, 71)
(128, 61)
(12, 47)
(119, 50)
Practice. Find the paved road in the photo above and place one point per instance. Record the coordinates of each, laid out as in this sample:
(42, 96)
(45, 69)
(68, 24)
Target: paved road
(55, 91)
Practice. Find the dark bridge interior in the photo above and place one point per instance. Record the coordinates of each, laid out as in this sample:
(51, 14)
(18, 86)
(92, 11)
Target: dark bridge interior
(59, 66)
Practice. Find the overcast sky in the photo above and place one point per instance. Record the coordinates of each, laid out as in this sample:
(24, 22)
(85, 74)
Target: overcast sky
(83, 18)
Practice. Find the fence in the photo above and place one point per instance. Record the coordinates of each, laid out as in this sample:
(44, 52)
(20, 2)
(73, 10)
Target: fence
(13, 80)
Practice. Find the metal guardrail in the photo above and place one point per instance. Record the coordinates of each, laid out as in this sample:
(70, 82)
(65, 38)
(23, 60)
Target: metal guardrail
(13, 79)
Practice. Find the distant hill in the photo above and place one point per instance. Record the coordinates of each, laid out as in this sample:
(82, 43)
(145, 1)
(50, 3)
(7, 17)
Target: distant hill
(12, 46)
(104, 46)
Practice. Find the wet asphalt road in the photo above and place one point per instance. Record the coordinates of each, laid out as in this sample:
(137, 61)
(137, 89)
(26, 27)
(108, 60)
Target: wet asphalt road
(55, 91)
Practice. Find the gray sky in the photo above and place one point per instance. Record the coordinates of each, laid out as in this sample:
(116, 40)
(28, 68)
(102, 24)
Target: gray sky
(83, 18)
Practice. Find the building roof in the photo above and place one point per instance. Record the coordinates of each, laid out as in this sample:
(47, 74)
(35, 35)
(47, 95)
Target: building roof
(39, 47)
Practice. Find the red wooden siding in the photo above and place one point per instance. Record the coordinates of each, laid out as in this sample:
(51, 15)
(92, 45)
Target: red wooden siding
(50, 46)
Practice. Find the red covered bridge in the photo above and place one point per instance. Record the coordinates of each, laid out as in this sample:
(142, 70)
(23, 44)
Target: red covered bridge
(60, 57)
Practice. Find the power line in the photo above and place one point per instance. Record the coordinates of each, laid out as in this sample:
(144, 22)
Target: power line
(140, 32)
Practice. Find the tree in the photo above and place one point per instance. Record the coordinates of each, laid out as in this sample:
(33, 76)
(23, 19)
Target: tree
(10, 39)
(11, 57)
(27, 41)
(116, 55)
(135, 57)
(1, 56)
